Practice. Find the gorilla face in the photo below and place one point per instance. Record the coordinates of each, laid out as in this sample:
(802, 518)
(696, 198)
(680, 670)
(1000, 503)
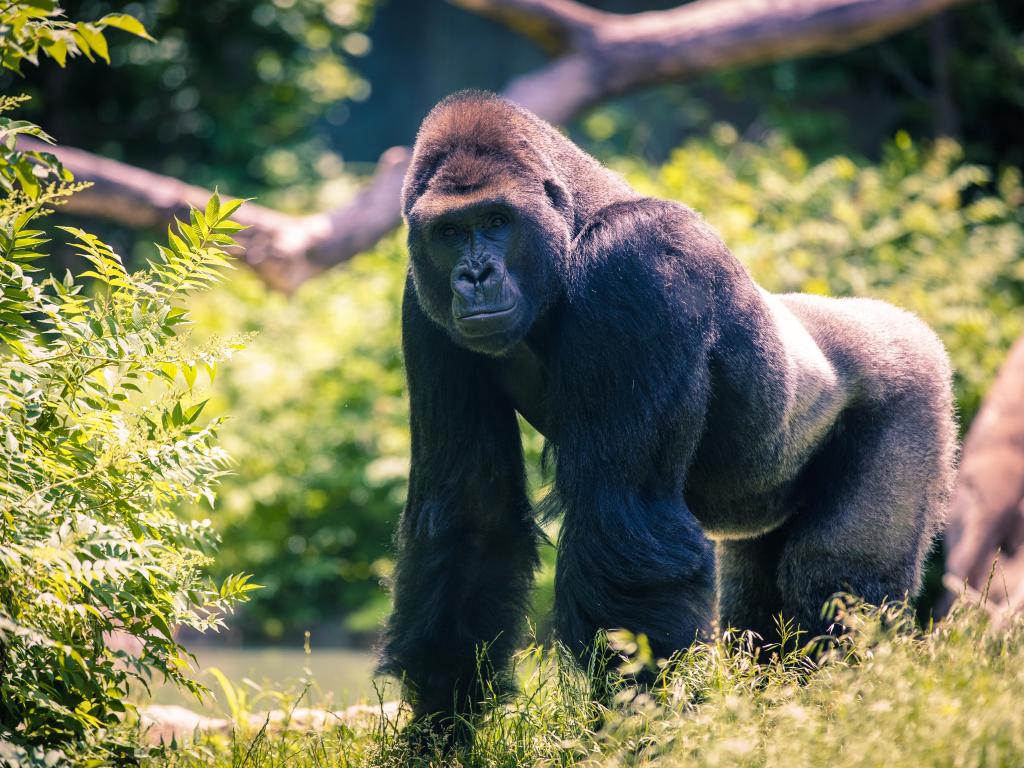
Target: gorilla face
(486, 300)
(481, 268)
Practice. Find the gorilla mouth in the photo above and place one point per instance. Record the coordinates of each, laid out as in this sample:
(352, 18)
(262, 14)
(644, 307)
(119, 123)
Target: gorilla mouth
(484, 321)
(487, 312)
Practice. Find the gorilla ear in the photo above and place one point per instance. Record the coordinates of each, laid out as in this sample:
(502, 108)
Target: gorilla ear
(558, 195)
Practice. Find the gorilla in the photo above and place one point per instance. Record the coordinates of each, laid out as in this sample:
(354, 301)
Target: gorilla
(811, 439)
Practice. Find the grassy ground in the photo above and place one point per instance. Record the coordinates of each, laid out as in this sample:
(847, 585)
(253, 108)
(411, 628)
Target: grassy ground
(892, 696)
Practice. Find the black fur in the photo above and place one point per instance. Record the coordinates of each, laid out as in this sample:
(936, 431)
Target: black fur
(812, 439)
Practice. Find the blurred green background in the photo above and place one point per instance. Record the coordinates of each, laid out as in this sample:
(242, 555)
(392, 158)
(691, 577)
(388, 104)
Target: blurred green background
(826, 174)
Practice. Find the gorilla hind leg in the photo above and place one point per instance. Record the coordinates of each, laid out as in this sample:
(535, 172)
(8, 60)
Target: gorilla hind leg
(749, 597)
(872, 501)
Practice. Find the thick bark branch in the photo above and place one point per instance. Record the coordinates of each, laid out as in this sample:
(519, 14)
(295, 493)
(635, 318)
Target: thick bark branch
(284, 250)
(600, 55)
(615, 53)
(555, 25)
(986, 518)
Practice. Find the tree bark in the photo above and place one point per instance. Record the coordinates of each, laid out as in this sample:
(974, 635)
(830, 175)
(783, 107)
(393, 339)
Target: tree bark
(284, 250)
(598, 55)
(986, 517)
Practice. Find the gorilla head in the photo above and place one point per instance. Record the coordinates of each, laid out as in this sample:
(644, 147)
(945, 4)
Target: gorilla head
(490, 219)
(483, 228)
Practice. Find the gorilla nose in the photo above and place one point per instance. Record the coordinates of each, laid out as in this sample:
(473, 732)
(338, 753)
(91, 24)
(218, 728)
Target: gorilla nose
(472, 280)
(474, 274)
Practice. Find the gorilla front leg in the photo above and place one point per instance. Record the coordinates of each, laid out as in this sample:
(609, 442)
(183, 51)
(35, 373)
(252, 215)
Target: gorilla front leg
(460, 595)
(634, 563)
(467, 539)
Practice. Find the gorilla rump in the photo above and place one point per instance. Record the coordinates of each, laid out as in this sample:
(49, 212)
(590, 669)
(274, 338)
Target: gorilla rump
(811, 439)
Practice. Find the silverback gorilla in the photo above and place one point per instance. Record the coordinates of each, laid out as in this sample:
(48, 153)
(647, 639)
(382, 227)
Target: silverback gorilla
(811, 439)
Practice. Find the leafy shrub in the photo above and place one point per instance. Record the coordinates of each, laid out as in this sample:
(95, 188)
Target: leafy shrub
(320, 437)
(98, 442)
(321, 433)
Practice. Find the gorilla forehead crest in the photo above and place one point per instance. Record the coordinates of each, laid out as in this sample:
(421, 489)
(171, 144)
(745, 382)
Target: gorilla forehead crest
(468, 143)
(467, 169)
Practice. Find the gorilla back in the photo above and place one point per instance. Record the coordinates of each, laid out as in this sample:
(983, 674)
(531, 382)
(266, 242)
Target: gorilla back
(811, 439)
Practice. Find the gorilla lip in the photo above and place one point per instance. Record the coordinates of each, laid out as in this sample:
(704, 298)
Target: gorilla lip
(481, 322)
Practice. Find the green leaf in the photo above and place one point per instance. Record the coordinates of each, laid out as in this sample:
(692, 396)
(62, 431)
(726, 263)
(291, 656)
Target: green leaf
(160, 624)
(228, 208)
(126, 23)
(57, 49)
(193, 413)
(96, 41)
(82, 42)
(230, 226)
(212, 213)
(177, 244)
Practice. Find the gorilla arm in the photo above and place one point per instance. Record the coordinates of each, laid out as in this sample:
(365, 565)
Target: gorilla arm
(631, 382)
(467, 538)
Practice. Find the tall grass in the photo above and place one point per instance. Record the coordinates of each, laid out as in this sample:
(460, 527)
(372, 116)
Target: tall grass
(889, 694)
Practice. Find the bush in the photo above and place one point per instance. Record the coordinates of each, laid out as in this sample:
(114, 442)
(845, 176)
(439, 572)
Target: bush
(321, 433)
(98, 442)
(320, 436)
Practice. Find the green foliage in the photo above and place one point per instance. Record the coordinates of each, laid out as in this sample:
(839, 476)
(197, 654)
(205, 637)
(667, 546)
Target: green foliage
(889, 694)
(29, 180)
(240, 94)
(98, 441)
(29, 28)
(321, 441)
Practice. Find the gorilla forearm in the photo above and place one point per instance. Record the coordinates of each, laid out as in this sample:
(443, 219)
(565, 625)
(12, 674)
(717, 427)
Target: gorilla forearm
(638, 563)
(467, 540)
(460, 600)
(631, 553)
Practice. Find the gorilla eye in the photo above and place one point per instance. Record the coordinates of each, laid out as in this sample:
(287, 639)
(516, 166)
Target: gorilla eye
(449, 230)
(497, 220)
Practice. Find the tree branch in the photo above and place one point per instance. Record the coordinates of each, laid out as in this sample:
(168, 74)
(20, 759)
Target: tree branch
(555, 25)
(986, 516)
(600, 55)
(284, 250)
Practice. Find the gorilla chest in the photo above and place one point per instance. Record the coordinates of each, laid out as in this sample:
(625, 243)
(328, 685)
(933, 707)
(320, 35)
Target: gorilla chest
(522, 377)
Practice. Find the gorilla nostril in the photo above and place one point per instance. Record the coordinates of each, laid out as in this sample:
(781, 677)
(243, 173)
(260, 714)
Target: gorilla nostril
(468, 276)
(464, 276)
